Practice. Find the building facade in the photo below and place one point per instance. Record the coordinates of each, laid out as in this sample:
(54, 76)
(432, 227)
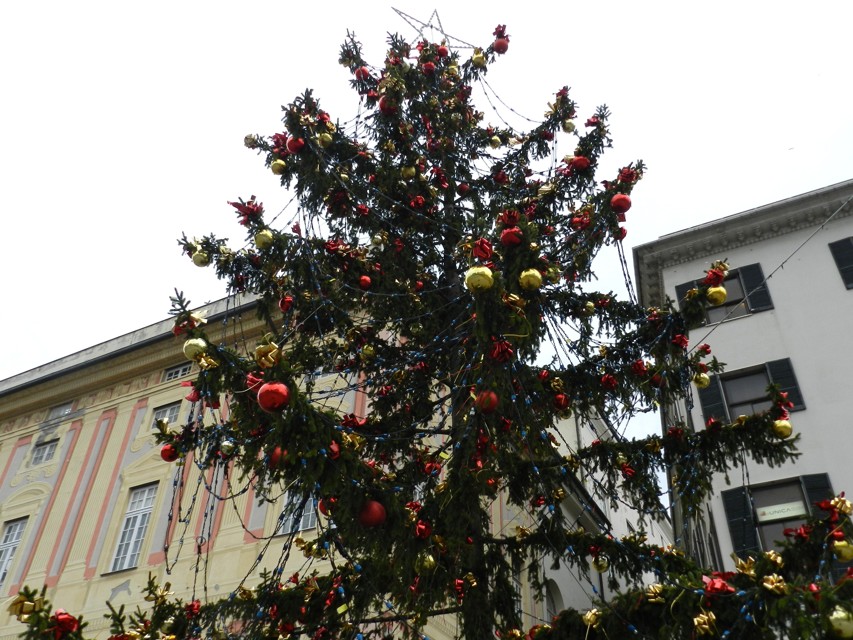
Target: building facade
(785, 321)
(90, 509)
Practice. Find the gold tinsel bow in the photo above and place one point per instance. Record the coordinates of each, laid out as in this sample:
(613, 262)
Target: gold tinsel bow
(160, 595)
(592, 618)
(22, 608)
(775, 584)
(704, 624)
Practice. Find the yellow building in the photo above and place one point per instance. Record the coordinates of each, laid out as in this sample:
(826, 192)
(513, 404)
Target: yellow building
(89, 508)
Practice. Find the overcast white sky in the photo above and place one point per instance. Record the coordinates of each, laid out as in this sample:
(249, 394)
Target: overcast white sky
(122, 125)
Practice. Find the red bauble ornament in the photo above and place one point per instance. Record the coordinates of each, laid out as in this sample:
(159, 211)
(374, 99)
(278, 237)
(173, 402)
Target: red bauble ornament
(276, 458)
(487, 401)
(512, 237)
(442, 51)
(372, 514)
(364, 282)
(500, 45)
(387, 106)
(561, 402)
(325, 505)
(362, 73)
(169, 453)
(285, 303)
(428, 68)
(294, 145)
(273, 396)
(462, 189)
(620, 203)
(579, 163)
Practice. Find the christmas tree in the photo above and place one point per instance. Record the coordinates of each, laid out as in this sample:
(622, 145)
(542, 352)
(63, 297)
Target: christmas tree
(443, 270)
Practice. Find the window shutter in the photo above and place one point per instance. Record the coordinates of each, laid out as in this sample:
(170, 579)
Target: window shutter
(755, 288)
(842, 251)
(782, 374)
(712, 401)
(741, 522)
(817, 488)
(681, 290)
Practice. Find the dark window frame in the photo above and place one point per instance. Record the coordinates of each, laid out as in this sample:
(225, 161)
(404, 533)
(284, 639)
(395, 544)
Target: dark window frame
(713, 400)
(842, 253)
(743, 525)
(756, 295)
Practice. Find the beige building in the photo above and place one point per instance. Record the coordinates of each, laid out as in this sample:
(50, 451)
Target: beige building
(89, 508)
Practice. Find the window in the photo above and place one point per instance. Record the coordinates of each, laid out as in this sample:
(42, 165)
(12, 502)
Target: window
(43, 452)
(173, 373)
(135, 525)
(60, 411)
(553, 600)
(746, 293)
(757, 516)
(168, 413)
(745, 392)
(296, 516)
(12, 533)
(842, 251)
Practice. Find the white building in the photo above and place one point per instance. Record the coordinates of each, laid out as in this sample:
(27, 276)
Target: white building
(786, 321)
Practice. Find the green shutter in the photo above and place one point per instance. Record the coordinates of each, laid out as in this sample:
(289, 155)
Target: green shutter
(842, 251)
(712, 401)
(741, 521)
(757, 294)
(782, 373)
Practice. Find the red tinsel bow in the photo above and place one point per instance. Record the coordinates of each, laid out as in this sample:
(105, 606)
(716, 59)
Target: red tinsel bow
(714, 278)
(482, 249)
(716, 585)
(501, 351)
(609, 382)
(423, 529)
(62, 623)
(508, 217)
(192, 608)
(248, 210)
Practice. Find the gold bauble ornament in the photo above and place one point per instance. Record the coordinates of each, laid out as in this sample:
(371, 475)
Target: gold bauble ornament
(716, 295)
(368, 352)
(782, 429)
(424, 562)
(589, 308)
(408, 172)
(494, 142)
(841, 623)
(568, 125)
(530, 279)
(278, 166)
(702, 380)
(843, 550)
(263, 239)
(479, 279)
(324, 140)
(194, 348)
(600, 563)
(201, 258)
(478, 59)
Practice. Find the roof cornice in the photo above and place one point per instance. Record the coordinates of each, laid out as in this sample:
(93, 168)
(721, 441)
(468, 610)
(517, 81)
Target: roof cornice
(715, 239)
